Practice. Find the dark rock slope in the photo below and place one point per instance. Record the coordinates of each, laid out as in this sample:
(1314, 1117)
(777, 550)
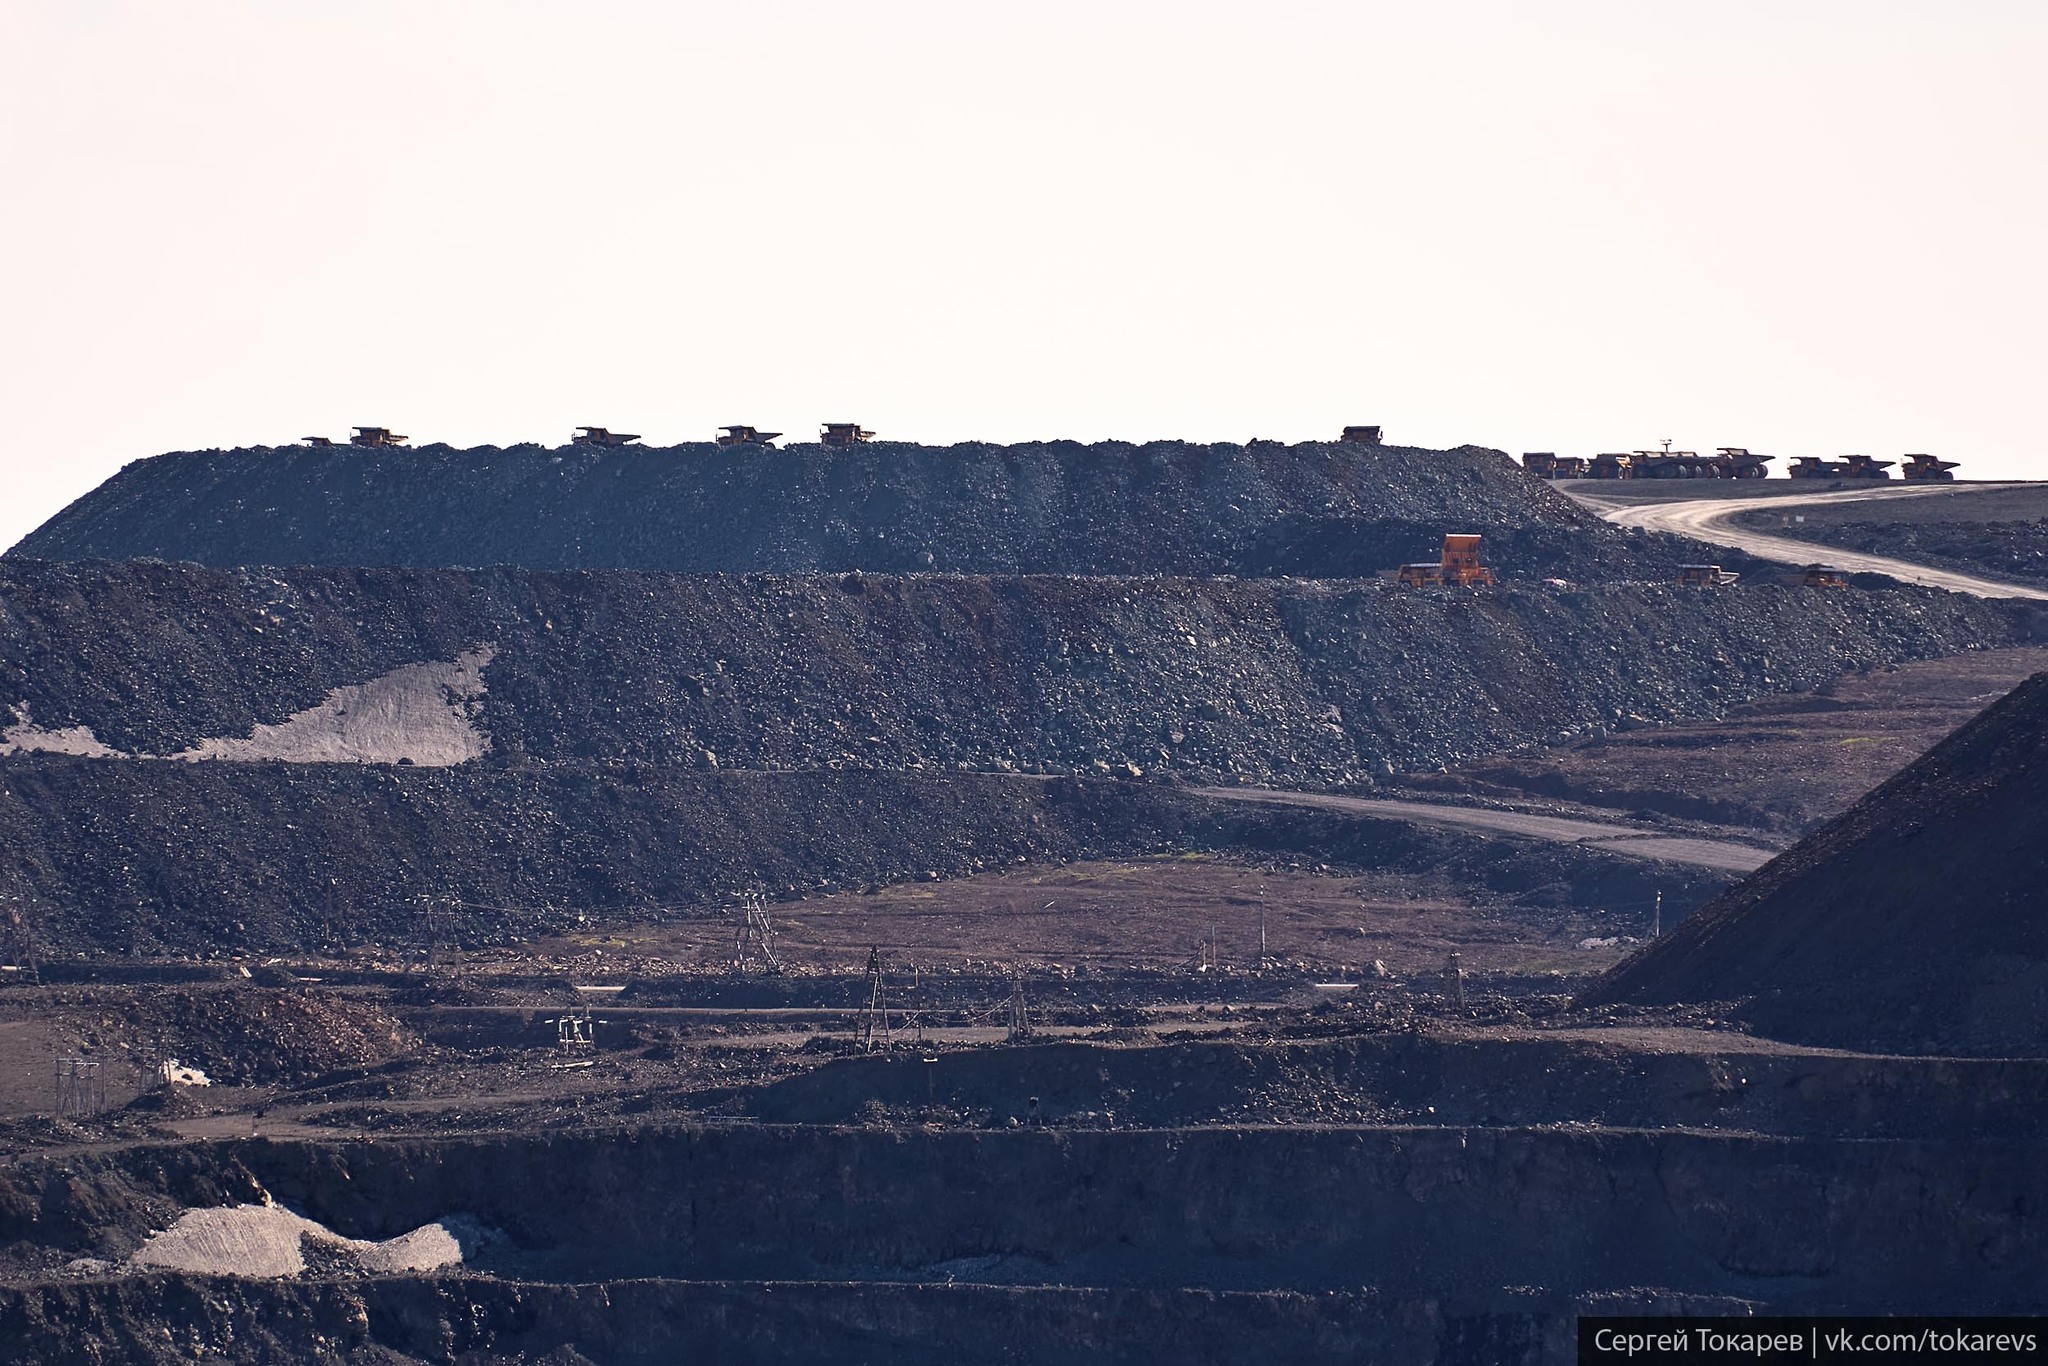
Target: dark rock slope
(1916, 921)
(227, 858)
(1053, 508)
(1286, 682)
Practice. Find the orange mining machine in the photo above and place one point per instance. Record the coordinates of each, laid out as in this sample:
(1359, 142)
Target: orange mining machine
(375, 436)
(1705, 576)
(1360, 436)
(1458, 567)
(599, 436)
(745, 436)
(1925, 469)
(840, 435)
(1823, 576)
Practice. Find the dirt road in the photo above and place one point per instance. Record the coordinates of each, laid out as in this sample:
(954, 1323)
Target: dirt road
(1711, 520)
(1722, 855)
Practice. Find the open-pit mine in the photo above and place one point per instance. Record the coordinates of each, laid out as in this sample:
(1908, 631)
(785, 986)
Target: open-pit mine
(862, 902)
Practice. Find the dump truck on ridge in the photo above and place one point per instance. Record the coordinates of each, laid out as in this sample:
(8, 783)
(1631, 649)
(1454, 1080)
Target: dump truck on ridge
(840, 435)
(737, 435)
(1848, 467)
(1925, 469)
(598, 436)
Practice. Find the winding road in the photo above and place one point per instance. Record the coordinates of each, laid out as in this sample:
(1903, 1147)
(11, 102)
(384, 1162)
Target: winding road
(1711, 520)
(1724, 856)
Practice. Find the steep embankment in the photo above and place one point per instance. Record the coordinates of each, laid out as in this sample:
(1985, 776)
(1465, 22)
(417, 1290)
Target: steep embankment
(1915, 921)
(1285, 683)
(1047, 508)
(1413, 1212)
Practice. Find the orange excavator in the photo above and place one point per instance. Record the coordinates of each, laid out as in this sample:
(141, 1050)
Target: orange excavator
(1457, 567)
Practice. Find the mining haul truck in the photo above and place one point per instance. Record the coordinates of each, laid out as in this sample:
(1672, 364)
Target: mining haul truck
(1925, 469)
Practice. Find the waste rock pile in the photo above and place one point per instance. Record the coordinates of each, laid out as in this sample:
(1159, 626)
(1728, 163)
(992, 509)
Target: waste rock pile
(1286, 682)
(1316, 510)
(1914, 922)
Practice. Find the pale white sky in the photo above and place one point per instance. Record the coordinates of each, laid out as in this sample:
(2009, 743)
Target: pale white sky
(1802, 226)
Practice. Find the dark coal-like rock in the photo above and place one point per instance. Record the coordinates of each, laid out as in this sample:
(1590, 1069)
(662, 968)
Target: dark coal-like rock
(1288, 682)
(1313, 510)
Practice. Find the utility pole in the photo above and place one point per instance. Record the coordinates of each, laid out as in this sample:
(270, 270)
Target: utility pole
(754, 934)
(1262, 929)
(19, 944)
(874, 1016)
(1020, 1022)
(81, 1088)
(1657, 916)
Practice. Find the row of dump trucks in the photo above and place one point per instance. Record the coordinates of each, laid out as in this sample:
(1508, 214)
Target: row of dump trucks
(1728, 462)
(831, 434)
(835, 434)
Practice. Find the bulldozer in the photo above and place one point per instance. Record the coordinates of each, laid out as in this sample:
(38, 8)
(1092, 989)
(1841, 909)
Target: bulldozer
(375, 436)
(1457, 567)
(1925, 469)
(840, 435)
(1361, 436)
(745, 436)
(599, 436)
(1705, 576)
(1822, 576)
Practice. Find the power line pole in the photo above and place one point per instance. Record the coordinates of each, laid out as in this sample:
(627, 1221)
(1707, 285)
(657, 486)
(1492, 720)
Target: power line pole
(19, 942)
(1020, 1021)
(874, 1016)
(754, 934)
(1657, 916)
